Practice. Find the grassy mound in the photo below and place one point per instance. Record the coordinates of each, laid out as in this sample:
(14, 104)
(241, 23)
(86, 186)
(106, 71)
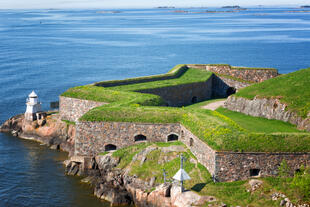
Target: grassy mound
(258, 124)
(190, 76)
(292, 89)
(232, 193)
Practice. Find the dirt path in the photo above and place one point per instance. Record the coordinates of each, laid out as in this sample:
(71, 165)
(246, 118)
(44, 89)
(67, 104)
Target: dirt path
(213, 105)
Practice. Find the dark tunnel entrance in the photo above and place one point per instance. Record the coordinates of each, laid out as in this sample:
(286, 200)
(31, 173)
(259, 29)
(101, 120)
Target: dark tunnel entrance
(230, 91)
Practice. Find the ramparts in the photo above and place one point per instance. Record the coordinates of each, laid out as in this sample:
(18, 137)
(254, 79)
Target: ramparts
(269, 108)
(254, 75)
(72, 109)
(184, 94)
(178, 71)
(97, 137)
(93, 138)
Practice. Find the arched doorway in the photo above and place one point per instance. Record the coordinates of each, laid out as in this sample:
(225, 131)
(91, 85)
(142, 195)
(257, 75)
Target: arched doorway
(191, 142)
(172, 137)
(109, 147)
(140, 137)
(194, 99)
(230, 91)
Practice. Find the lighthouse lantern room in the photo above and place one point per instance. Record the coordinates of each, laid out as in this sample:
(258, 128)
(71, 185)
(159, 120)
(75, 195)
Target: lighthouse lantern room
(33, 106)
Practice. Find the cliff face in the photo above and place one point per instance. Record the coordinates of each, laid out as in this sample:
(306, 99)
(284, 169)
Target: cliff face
(49, 130)
(267, 108)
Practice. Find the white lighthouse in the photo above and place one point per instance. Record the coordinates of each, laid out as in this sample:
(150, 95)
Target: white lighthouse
(33, 106)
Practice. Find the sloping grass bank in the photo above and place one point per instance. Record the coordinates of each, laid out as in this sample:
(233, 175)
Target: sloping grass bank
(217, 130)
(292, 89)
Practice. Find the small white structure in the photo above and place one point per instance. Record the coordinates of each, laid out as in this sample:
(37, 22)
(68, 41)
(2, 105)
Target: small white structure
(181, 175)
(33, 107)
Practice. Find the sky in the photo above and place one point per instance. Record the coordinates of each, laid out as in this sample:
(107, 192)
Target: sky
(42, 4)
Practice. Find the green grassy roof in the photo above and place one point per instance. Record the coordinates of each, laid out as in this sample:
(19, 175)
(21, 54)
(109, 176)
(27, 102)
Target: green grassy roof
(217, 130)
(292, 89)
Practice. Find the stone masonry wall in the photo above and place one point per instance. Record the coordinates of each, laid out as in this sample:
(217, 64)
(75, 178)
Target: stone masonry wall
(72, 109)
(92, 137)
(236, 166)
(182, 95)
(267, 108)
(253, 75)
(221, 85)
(204, 154)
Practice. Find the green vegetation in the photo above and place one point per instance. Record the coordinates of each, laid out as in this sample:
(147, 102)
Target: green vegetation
(232, 193)
(297, 188)
(292, 89)
(190, 76)
(68, 122)
(175, 72)
(101, 94)
(222, 130)
(134, 114)
(258, 124)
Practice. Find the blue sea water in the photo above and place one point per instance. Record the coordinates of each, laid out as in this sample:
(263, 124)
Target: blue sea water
(51, 50)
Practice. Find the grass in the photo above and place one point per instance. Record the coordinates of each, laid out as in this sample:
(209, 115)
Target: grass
(175, 72)
(190, 76)
(136, 114)
(218, 131)
(231, 193)
(225, 131)
(258, 124)
(101, 94)
(68, 122)
(292, 89)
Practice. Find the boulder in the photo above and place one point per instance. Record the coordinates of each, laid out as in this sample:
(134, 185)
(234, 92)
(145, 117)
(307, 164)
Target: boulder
(255, 184)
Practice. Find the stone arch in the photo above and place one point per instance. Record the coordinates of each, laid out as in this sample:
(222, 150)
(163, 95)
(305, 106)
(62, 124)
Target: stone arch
(140, 137)
(172, 137)
(194, 99)
(191, 142)
(254, 172)
(230, 91)
(109, 147)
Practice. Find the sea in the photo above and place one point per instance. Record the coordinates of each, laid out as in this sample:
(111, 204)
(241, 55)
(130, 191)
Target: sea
(51, 50)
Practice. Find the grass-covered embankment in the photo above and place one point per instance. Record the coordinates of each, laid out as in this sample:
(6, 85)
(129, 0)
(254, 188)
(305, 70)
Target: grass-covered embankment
(218, 131)
(119, 98)
(190, 76)
(237, 133)
(174, 73)
(259, 124)
(232, 193)
(292, 89)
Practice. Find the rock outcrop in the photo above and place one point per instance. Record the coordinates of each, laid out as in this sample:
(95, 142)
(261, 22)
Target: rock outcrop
(50, 130)
(267, 108)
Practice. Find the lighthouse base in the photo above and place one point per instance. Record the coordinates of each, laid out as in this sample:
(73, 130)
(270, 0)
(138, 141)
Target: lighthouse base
(35, 116)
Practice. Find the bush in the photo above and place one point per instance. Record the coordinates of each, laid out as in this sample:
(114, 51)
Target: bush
(301, 183)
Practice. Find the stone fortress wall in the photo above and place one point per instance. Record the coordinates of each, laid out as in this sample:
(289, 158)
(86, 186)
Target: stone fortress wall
(184, 94)
(93, 138)
(252, 75)
(97, 137)
(270, 108)
(72, 109)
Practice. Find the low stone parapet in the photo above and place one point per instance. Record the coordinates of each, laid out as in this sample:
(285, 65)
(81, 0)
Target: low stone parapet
(72, 109)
